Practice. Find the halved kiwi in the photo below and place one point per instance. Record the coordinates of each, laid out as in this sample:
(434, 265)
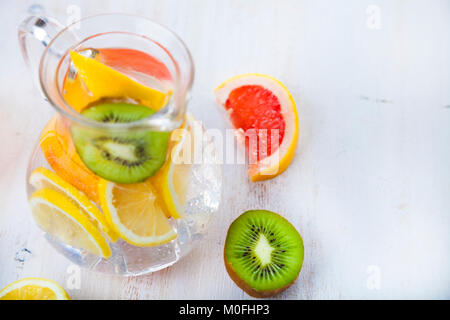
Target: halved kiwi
(263, 253)
(123, 156)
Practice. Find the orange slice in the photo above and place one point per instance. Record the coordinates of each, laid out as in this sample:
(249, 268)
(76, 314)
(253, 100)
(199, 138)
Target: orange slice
(264, 113)
(103, 81)
(76, 93)
(59, 151)
(33, 289)
(136, 213)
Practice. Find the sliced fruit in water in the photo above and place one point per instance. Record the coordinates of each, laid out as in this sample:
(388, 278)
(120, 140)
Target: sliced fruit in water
(263, 253)
(136, 213)
(173, 178)
(42, 178)
(59, 151)
(57, 215)
(77, 95)
(33, 289)
(120, 156)
(135, 60)
(117, 112)
(103, 82)
(263, 110)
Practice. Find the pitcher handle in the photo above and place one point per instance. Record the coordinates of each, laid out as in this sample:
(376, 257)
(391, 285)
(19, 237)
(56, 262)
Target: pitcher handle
(40, 28)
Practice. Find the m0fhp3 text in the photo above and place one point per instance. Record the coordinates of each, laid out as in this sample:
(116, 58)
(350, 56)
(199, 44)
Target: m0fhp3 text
(255, 309)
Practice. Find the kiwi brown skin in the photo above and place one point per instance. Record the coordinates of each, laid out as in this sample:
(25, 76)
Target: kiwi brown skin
(249, 290)
(245, 286)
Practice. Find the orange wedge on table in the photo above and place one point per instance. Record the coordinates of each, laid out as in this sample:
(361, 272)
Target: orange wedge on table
(33, 289)
(102, 81)
(265, 115)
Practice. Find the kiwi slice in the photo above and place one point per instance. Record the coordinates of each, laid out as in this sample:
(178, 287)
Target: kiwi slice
(123, 156)
(263, 253)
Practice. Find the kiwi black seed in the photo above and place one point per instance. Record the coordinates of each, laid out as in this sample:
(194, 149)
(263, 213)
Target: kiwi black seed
(263, 253)
(123, 156)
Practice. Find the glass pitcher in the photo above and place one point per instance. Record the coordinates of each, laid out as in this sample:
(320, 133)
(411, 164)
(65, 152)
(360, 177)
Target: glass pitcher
(112, 182)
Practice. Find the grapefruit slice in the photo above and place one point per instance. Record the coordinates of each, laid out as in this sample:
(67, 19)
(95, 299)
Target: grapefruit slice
(131, 59)
(265, 116)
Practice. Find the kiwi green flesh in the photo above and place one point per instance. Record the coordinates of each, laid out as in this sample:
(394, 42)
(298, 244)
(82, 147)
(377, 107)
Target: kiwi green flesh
(264, 251)
(120, 156)
(117, 112)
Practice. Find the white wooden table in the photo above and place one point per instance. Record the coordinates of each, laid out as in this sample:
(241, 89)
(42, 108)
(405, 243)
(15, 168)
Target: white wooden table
(369, 188)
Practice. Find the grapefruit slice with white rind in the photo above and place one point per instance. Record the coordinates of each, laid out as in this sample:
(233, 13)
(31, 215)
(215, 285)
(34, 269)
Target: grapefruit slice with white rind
(261, 105)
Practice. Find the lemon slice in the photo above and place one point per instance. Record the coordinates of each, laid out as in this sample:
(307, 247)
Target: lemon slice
(136, 213)
(103, 81)
(33, 289)
(56, 214)
(173, 177)
(43, 178)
